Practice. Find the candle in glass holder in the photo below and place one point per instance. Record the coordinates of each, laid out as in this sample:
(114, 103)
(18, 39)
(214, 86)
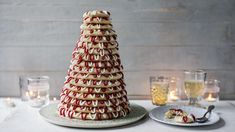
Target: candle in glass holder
(212, 89)
(38, 91)
(173, 90)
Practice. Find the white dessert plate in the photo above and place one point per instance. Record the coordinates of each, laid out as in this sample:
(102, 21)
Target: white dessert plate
(158, 114)
(49, 113)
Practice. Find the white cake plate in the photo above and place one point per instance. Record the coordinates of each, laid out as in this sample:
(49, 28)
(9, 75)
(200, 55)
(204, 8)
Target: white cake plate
(49, 113)
(158, 114)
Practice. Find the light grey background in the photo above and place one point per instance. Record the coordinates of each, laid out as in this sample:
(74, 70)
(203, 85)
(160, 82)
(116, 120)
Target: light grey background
(156, 37)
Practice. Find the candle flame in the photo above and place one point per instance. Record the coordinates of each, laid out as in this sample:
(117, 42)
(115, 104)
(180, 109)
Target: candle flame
(9, 102)
(210, 98)
(31, 93)
(173, 96)
(27, 94)
(8, 99)
(54, 99)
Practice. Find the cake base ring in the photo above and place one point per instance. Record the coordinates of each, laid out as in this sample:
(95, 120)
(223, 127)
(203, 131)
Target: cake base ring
(49, 113)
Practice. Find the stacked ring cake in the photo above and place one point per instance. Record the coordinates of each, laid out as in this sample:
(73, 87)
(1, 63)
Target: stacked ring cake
(94, 88)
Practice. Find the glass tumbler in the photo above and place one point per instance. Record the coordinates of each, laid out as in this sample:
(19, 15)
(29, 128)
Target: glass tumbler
(38, 88)
(212, 90)
(23, 84)
(159, 90)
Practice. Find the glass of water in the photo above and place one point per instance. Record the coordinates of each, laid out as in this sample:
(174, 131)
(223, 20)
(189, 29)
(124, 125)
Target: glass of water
(38, 91)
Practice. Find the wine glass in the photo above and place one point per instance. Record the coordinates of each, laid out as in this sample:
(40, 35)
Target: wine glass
(194, 85)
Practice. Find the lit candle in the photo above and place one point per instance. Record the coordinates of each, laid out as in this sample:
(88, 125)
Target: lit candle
(27, 94)
(211, 93)
(173, 96)
(38, 101)
(210, 98)
(173, 90)
(9, 102)
(31, 93)
(54, 99)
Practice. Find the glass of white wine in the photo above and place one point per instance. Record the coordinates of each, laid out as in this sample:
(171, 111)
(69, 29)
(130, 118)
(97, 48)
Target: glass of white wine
(194, 85)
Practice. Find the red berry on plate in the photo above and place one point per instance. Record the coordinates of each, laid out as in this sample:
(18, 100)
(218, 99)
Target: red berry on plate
(185, 119)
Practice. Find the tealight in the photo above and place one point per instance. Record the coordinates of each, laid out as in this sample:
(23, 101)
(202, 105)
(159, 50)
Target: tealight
(9, 102)
(173, 96)
(54, 99)
(210, 98)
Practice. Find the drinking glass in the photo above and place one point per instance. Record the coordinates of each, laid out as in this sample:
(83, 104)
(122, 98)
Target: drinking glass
(23, 84)
(194, 85)
(38, 88)
(159, 90)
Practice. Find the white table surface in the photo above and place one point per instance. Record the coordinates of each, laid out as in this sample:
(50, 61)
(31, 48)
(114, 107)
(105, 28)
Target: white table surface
(23, 118)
